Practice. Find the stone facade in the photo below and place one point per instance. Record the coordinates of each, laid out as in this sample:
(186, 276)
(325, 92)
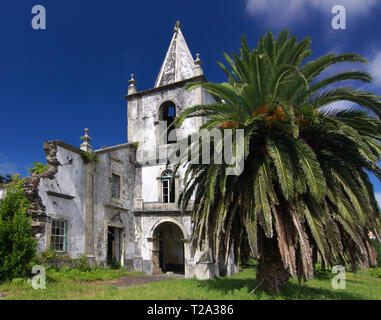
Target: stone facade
(117, 209)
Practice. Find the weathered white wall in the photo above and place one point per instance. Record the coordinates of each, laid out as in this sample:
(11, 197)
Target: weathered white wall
(114, 212)
(69, 180)
(150, 192)
(143, 112)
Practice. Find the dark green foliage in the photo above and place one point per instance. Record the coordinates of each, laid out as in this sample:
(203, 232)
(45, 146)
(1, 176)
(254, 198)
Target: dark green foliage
(305, 179)
(48, 256)
(6, 179)
(17, 244)
(54, 260)
(82, 264)
(377, 246)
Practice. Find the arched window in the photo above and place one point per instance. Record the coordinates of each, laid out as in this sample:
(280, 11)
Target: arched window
(167, 112)
(168, 186)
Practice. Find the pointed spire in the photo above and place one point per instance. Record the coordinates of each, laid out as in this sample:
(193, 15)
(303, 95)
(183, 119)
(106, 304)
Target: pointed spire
(177, 26)
(178, 63)
(85, 146)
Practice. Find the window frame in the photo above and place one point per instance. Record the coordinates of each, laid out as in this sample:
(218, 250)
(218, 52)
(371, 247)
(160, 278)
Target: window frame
(170, 187)
(59, 236)
(112, 185)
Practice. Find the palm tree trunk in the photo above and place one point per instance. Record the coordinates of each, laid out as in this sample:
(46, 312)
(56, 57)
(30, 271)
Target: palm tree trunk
(271, 272)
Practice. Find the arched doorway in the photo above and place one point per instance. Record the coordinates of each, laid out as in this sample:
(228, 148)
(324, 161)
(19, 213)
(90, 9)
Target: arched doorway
(168, 253)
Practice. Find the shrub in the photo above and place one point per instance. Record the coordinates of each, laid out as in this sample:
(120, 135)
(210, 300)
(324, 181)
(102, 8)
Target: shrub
(82, 264)
(17, 244)
(48, 256)
(38, 168)
(88, 157)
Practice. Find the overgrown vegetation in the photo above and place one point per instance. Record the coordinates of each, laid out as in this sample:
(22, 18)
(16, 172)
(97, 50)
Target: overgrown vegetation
(17, 244)
(38, 168)
(88, 157)
(54, 260)
(74, 284)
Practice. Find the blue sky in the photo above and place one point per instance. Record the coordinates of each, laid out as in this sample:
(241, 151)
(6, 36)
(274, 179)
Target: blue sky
(56, 82)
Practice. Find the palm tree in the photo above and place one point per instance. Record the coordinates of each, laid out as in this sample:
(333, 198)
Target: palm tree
(304, 194)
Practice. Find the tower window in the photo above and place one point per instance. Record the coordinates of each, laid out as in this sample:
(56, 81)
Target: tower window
(168, 186)
(115, 188)
(168, 114)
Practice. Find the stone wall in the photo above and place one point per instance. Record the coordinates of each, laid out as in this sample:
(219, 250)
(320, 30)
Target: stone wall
(31, 186)
(63, 196)
(109, 211)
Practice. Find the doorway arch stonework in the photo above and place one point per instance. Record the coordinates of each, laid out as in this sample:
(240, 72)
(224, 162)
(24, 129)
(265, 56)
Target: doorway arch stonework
(170, 248)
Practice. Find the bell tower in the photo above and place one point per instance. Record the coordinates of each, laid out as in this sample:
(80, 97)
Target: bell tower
(149, 108)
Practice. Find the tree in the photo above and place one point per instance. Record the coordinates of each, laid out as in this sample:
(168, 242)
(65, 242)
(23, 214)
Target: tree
(304, 192)
(38, 168)
(17, 244)
(6, 179)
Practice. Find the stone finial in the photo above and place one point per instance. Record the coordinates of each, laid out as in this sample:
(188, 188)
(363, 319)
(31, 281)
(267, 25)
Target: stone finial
(177, 26)
(85, 146)
(198, 69)
(198, 60)
(132, 87)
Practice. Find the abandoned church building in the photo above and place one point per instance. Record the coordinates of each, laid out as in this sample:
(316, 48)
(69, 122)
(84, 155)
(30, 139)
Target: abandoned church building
(105, 204)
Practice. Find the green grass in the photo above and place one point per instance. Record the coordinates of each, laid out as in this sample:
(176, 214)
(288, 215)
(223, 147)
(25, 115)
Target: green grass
(75, 284)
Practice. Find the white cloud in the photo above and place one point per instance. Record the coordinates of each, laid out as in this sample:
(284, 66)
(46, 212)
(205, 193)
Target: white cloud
(281, 12)
(374, 68)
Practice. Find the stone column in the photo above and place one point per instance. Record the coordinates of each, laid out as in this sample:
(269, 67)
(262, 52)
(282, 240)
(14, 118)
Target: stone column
(89, 214)
(89, 209)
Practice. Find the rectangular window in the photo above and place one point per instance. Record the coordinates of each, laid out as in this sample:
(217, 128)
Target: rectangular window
(58, 239)
(165, 191)
(115, 186)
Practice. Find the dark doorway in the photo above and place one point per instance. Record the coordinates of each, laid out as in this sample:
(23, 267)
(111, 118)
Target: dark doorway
(114, 246)
(170, 250)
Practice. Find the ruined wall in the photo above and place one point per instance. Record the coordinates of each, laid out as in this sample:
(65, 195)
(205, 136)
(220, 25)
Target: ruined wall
(63, 196)
(31, 184)
(109, 211)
